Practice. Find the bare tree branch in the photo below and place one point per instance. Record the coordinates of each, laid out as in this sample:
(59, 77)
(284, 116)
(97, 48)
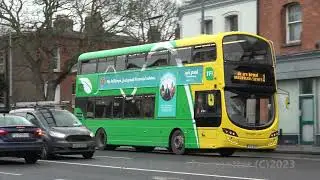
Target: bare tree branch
(142, 15)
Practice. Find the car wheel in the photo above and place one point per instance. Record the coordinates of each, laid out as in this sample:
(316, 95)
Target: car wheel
(31, 158)
(177, 143)
(88, 155)
(45, 152)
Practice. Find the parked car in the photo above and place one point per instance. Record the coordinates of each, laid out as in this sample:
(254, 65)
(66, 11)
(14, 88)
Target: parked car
(20, 138)
(64, 134)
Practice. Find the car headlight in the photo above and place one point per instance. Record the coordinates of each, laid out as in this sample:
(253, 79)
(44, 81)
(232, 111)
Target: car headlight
(57, 134)
(91, 134)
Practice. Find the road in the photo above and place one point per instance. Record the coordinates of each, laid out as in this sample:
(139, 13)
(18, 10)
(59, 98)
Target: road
(130, 165)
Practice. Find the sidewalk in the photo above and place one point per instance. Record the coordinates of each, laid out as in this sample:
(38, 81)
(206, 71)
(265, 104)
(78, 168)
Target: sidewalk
(298, 149)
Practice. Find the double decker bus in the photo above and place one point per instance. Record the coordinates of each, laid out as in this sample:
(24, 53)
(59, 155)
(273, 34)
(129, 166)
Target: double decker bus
(210, 92)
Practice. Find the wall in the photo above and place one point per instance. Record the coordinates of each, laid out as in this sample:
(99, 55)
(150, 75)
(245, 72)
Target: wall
(289, 117)
(246, 10)
(272, 24)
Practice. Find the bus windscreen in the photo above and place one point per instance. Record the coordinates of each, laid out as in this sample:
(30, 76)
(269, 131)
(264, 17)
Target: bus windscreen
(246, 49)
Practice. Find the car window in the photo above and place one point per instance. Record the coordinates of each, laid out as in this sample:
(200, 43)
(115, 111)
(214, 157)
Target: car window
(22, 114)
(33, 119)
(9, 120)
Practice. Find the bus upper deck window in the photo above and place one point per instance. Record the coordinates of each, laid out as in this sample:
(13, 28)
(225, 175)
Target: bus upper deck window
(159, 58)
(88, 67)
(183, 55)
(204, 53)
(105, 64)
(136, 61)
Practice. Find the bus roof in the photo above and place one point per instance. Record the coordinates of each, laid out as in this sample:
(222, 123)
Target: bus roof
(200, 39)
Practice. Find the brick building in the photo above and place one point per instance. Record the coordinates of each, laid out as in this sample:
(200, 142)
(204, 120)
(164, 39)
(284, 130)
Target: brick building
(23, 78)
(292, 25)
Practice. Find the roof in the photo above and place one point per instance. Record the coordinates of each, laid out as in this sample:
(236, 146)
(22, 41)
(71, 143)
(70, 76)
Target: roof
(195, 5)
(200, 39)
(22, 110)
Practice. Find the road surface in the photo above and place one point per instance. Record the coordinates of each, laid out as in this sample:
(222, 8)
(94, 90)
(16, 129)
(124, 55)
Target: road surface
(130, 165)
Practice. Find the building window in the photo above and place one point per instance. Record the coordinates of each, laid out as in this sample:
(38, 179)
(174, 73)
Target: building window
(231, 23)
(306, 86)
(56, 60)
(208, 26)
(293, 23)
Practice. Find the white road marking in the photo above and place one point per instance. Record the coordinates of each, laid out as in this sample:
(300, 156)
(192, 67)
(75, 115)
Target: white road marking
(220, 164)
(153, 170)
(13, 174)
(113, 157)
(165, 178)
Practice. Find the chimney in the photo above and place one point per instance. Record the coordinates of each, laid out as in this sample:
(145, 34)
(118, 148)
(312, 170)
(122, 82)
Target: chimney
(94, 24)
(63, 24)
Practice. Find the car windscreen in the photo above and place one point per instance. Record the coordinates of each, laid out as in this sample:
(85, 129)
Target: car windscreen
(14, 121)
(64, 118)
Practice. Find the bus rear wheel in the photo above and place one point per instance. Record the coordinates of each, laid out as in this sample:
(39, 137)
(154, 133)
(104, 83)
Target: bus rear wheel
(177, 143)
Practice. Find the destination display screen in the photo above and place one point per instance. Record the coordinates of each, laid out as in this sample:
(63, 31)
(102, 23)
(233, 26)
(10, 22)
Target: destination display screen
(260, 78)
(249, 76)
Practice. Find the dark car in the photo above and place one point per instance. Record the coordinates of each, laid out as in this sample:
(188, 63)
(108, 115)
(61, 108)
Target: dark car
(63, 132)
(20, 138)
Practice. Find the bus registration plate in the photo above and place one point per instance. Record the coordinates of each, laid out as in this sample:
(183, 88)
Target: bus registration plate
(250, 146)
(79, 145)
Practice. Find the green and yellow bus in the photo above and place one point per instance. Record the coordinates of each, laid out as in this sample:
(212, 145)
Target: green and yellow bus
(210, 92)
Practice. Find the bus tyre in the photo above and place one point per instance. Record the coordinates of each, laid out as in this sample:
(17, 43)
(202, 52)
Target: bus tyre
(177, 143)
(101, 139)
(226, 152)
(144, 148)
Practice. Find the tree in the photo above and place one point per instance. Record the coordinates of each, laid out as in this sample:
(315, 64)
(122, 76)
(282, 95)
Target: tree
(31, 23)
(158, 17)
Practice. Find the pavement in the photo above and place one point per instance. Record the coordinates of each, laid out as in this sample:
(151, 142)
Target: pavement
(131, 165)
(298, 149)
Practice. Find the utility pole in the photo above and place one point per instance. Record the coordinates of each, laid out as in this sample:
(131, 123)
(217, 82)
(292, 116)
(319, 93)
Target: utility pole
(10, 67)
(202, 16)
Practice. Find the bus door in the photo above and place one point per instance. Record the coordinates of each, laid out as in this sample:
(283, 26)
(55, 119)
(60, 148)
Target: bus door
(207, 114)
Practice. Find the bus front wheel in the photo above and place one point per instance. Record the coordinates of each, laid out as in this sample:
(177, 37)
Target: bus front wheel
(177, 143)
(226, 152)
(101, 139)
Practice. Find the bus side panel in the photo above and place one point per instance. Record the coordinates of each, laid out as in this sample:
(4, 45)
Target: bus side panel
(150, 132)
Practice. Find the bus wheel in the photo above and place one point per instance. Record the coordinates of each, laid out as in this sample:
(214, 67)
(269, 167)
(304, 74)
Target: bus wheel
(101, 139)
(144, 148)
(226, 152)
(177, 143)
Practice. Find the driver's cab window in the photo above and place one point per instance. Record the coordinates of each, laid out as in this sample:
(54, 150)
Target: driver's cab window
(32, 119)
(208, 108)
